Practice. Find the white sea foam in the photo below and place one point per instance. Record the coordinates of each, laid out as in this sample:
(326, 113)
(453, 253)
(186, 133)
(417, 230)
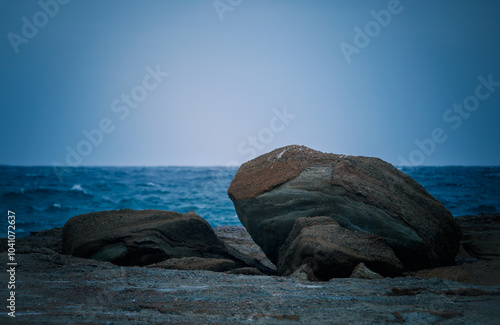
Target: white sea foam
(78, 188)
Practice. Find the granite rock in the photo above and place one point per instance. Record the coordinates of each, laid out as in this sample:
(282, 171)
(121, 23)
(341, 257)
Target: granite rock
(131, 237)
(362, 194)
(333, 251)
(362, 272)
(239, 243)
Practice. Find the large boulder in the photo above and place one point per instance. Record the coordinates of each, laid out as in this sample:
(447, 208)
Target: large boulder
(333, 251)
(363, 194)
(131, 237)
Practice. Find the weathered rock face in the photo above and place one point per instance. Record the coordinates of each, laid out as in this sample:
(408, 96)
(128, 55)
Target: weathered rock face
(240, 244)
(479, 257)
(365, 194)
(130, 237)
(333, 251)
(362, 272)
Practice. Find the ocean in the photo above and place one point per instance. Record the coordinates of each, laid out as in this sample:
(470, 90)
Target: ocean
(41, 200)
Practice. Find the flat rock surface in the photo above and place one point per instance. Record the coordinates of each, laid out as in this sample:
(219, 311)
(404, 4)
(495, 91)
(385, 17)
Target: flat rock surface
(77, 291)
(196, 263)
(52, 288)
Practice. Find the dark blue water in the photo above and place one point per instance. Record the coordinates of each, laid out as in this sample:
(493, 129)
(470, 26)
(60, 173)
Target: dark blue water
(42, 201)
(462, 190)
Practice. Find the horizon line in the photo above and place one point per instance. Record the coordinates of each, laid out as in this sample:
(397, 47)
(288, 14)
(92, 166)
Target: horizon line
(211, 166)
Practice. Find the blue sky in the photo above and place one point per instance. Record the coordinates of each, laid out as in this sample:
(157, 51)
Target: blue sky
(205, 82)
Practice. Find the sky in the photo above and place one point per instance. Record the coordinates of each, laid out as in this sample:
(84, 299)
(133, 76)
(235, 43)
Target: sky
(217, 83)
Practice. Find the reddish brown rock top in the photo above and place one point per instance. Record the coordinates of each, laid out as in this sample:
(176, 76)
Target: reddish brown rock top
(275, 168)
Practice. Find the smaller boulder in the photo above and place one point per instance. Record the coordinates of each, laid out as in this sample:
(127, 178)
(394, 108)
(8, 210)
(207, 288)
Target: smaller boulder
(141, 237)
(240, 244)
(304, 273)
(333, 251)
(362, 272)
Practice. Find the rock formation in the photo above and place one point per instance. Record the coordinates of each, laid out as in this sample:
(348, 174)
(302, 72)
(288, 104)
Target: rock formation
(130, 237)
(333, 251)
(361, 194)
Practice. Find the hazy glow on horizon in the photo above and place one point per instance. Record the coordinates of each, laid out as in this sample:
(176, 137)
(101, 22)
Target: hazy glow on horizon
(228, 78)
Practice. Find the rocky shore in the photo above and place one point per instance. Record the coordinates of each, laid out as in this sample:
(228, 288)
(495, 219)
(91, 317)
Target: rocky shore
(327, 239)
(52, 287)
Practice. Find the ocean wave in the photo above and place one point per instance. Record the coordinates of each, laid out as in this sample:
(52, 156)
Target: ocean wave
(447, 185)
(153, 199)
(188, 208)
(156, 191)
(484, 208)
(57, 208)
(129, 203)
(41, 197)
(79, 188)
(38, 191)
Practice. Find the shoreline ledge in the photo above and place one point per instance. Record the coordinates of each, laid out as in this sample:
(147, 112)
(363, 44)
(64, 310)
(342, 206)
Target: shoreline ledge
(55, 288)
